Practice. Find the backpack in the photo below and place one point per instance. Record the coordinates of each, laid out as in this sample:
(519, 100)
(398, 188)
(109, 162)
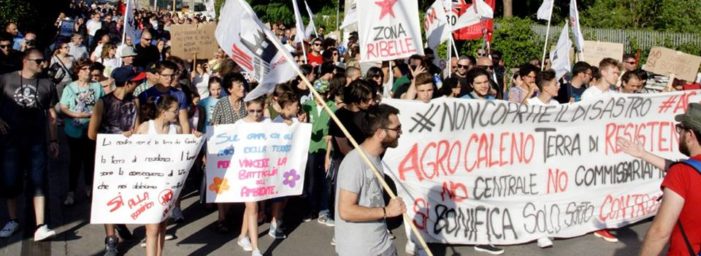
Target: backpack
(697, 166)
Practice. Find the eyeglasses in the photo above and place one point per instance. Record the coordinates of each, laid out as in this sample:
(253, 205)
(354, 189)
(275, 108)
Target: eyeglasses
(5, 46)
(463, 66)
(680, 128)
(254, 111)
(397, 129)
(37, 61)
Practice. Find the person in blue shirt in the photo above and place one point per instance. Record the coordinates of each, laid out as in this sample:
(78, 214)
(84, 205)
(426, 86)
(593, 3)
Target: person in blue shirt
(215, 93)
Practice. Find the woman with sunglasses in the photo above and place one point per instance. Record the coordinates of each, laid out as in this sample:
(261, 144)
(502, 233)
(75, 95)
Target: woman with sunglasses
(77, 102)
(63, 62)
(248, 238)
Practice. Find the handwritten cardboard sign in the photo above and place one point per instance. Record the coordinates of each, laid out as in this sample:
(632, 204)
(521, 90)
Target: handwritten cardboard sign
(138, 178)
(595, 51)
(256, 161)
(478, 172)
(665, 61)
(188, 39)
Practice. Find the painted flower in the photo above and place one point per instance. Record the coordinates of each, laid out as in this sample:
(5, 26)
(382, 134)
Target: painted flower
(290, 178)
(219, 185)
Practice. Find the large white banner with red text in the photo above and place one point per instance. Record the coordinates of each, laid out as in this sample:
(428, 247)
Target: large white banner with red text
(256, 161)
(388, 29)
(137, 179)
(478, 172)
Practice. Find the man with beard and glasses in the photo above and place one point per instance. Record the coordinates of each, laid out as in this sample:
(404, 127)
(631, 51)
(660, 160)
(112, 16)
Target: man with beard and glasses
(361, 212)
(676, 221)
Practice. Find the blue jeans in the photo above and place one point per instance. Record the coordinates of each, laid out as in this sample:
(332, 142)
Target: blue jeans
(21, 157)
(328, 194)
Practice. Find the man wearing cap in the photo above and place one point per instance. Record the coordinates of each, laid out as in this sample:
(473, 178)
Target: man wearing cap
(128, 55)
(677, 219)
(116, 113)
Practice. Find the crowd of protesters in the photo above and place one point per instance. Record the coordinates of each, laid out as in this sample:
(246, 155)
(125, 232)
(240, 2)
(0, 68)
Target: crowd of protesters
(91, 80)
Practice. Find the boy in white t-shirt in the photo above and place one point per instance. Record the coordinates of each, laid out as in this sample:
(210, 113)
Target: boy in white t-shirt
(548, 87)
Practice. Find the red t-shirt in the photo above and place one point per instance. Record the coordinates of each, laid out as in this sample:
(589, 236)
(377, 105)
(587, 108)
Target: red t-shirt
(314, 60)
(686, 181)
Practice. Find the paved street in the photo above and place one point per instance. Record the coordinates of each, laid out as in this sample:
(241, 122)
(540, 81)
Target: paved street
(197, 235)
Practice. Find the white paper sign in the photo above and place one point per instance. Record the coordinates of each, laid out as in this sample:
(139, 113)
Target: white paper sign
(478, 172)
(138, 178)
(389, 29)
(256, 161)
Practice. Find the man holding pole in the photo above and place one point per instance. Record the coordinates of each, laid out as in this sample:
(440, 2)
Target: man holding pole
(361, 212)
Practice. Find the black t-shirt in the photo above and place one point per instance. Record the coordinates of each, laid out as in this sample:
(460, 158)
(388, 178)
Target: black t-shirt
(146, 55)
(568, 91)
(24, 105)
(351, 120)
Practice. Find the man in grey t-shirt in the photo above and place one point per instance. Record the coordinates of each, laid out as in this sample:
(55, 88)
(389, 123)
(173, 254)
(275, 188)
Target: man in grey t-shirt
(360, 209)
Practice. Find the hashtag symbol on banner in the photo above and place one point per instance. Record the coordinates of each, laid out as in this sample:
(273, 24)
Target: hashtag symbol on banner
(667, 104)
(423, 121)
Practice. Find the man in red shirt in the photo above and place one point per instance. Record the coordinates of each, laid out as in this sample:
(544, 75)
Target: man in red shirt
(681, 202)
(314, 57)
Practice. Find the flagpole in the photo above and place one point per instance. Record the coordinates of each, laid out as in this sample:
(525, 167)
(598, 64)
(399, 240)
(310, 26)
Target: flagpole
(124, 27)
(390, 81)
(450, 42)
(547, 34)
(455, 48)
(354, 143)
(304, 53)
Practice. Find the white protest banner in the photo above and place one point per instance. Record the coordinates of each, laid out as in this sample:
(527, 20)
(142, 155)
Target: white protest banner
(247, 41)
(435, 25)
(388, 29)
(138, 178)
(256, 161)
(597, 51)
(478, 172)
(665, 61)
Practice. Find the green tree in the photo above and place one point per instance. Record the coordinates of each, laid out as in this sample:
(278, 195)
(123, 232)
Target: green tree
(661, 15)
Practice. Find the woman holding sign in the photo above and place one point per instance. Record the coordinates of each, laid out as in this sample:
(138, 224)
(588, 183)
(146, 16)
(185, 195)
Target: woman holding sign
(161, 113)
(227, 111)
(249, 226)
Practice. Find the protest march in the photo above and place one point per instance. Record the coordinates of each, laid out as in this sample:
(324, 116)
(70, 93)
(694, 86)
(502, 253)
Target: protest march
(406, 128)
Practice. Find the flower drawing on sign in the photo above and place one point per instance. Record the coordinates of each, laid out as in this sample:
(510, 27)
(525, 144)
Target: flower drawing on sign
(290, 178)
(220, 185)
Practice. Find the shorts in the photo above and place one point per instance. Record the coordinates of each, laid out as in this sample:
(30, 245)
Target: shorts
(18, 158)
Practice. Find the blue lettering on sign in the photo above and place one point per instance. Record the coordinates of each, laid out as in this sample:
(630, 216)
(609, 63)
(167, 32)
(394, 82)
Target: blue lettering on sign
(226, 152)
(274, 135)
(224, 138)
(256, 136)
(288, 136)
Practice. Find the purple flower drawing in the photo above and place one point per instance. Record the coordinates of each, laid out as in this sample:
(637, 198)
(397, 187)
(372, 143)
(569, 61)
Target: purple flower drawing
(291, 177)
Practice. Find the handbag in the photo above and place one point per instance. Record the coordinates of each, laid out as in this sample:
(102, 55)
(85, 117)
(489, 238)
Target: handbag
(58, 71)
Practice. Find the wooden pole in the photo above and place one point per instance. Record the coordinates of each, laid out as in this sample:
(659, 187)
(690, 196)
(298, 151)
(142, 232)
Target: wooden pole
(547, 35)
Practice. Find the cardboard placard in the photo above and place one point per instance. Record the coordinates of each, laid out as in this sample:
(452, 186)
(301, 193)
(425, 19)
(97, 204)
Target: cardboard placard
(666, 61)
(188, 39)
(595, 51)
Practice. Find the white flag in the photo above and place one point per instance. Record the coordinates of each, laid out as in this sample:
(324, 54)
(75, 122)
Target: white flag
(299, 24)
(351, 17)
(388, 30)
(248, 42)
(310, 27)
(560, 56)
(435, 24)
(473, 15)
(576, 29)
(545, 10)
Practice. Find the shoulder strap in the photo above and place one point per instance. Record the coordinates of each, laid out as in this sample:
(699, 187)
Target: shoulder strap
(686, 240)
(693, 163)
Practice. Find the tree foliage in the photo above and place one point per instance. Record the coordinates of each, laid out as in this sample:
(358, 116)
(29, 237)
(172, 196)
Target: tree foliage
(660, 15)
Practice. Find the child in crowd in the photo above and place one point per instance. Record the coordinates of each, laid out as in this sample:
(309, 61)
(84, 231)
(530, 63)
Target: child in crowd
(248, 239)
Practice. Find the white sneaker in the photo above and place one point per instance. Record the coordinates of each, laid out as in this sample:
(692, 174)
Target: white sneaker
(42, 233)
(545, 242)
(245, 244)
(69, 199)
(9, 228)
(177, 215)
(256, 253)
(410, 248)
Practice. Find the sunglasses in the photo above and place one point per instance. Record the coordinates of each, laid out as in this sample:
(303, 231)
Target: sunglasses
(5, 46)
(254, 111)
(463, 66)
(37, 61)
(147, 39)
